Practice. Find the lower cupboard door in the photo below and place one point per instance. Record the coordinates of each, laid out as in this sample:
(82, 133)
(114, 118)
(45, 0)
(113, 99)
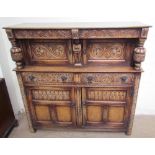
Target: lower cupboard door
(52, 106)
(105, 107)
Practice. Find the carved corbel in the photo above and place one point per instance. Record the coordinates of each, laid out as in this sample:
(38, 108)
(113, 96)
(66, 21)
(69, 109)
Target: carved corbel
(16, 52)
(76, 45)
(139, 54)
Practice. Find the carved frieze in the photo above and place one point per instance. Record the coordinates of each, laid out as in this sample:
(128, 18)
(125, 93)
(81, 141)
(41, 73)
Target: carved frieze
(106, 95)
(51, 95)
(109, 33)
(43, 34)
(106, 51)
(46, 78)
(107, 78)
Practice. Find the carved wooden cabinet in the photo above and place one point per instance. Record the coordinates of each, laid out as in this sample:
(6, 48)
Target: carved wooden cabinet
(82, 76)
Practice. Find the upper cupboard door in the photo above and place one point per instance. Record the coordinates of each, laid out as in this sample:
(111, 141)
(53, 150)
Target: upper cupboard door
(48, 52)
(109, 52)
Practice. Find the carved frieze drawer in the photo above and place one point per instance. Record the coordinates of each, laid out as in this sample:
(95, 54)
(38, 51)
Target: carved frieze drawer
(47, 78)
(107, 78)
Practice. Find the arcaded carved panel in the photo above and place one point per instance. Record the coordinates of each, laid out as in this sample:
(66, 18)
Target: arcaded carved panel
(106, 95)
(46, 78)
(45, 51)
(42, 34)
(51, 95)
(109, 33)
(107, 78)
(106, 51)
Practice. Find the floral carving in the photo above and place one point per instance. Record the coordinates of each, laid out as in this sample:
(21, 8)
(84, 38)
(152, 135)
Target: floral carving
(106, 95)
(51, 95)
(48, 51)
(106, 51)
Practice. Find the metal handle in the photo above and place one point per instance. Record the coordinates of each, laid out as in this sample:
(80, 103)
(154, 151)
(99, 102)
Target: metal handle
(89, 78)
(31, 77)
(63, 78)
(124, 78)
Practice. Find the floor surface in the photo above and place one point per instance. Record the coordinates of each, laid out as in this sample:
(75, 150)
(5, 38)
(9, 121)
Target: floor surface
(144, 126)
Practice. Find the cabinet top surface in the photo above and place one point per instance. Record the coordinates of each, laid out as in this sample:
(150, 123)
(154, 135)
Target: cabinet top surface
(81, 25)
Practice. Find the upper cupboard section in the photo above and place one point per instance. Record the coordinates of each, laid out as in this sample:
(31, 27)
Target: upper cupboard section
(76, 46)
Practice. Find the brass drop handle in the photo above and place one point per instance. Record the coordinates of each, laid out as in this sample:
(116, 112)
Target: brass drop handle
(124, 78)
(63, 78)
(31, 77)
(89, 78)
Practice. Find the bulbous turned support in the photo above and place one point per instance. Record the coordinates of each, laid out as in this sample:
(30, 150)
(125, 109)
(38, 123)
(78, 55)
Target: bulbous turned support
(16, 54)
(139, 56)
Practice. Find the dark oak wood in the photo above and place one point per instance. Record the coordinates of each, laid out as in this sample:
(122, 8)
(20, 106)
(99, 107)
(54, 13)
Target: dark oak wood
(82, 76)
(7, 118)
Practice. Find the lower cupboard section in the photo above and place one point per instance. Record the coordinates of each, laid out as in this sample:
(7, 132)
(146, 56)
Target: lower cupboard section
(86, 108)
(105, 107)
(52, 106)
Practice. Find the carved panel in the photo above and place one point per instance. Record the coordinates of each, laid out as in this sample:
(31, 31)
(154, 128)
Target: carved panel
(46, 78)
(48, 51)
(107, 78)
(56, 95)
(43, 34)
(106, 51)
(110, 33)
(106, 95)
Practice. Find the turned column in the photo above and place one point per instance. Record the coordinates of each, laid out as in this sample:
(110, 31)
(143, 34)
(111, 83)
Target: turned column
(139, 51)
(16, 52)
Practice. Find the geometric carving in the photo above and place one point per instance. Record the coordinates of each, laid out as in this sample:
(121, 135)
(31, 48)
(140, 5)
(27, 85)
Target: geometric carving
(51, 95)
(82, 33)
(106, 95)
(109, 33)
(106, 51)
(46, 78)
(48, 51)
(107, 78)
(42, 34)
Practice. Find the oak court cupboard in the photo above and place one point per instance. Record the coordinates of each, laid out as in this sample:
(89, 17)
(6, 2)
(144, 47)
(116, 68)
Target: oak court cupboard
(80, 76)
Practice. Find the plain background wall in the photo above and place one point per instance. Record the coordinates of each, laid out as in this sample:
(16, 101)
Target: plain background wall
(145, 104)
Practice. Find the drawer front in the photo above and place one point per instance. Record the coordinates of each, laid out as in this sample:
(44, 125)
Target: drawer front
(47, 78)
(105, 106)
(107, 78)
(108, 52)
(52, 106)
(44, 52)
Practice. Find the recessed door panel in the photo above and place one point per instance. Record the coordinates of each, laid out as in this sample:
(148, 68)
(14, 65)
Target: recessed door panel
(105, 107)
(52, 106)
